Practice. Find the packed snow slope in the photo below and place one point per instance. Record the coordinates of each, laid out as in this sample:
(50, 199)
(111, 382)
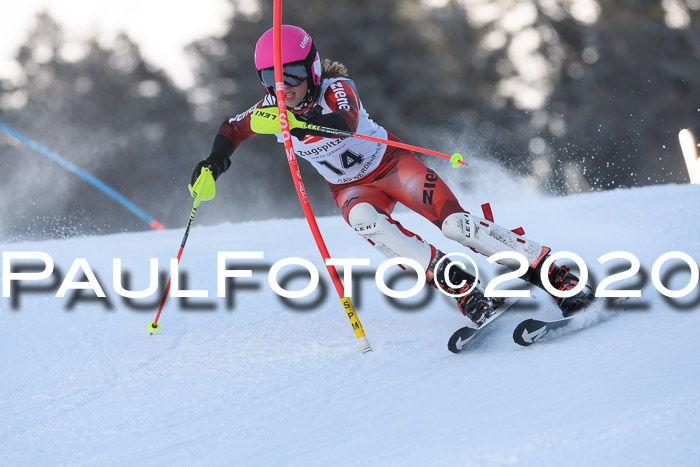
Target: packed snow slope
(253, 380)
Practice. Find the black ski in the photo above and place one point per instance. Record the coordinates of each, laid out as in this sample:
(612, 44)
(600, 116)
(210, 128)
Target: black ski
(532, 330)
(463, 336)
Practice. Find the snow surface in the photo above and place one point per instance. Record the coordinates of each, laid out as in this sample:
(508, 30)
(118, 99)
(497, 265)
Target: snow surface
(260, 383)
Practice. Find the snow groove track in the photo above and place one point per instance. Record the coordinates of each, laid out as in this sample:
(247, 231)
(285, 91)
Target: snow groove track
(261, 384)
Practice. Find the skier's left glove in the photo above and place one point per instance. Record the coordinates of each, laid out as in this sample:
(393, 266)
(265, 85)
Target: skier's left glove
(316, 123)
(311, 116)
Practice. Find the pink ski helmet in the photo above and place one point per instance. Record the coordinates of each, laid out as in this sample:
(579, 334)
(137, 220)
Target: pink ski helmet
(300, 59)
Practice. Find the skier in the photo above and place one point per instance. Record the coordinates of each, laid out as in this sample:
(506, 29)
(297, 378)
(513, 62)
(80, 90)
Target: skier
(367, 179)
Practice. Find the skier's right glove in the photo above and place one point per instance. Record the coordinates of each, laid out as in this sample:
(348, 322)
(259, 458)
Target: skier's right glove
(202, 184)
(197, 170)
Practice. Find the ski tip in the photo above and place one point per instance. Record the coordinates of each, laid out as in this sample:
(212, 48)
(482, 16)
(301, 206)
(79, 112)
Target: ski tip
(520, 333)
(452, 343)
(460, 338)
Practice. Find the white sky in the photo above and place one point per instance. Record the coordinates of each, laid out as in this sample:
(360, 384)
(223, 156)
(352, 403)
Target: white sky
(161, 28)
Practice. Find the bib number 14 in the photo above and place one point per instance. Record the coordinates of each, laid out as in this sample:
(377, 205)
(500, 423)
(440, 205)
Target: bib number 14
(348, 159)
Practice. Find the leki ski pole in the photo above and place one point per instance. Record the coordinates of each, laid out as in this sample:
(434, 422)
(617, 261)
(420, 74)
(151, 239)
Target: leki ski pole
(203, 190)
(264, 121)
(299, 184)
(455, 159)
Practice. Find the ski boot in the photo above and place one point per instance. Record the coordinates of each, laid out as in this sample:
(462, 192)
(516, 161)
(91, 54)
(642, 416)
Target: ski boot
(561, 278)
(473, 305)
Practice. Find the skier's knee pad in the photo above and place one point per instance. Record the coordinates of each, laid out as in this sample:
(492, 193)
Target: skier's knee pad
(387, 235)
(363, 218)
(489, 238)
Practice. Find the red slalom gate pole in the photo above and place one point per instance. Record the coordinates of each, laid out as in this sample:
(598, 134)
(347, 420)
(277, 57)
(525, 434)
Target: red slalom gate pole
(298, 182)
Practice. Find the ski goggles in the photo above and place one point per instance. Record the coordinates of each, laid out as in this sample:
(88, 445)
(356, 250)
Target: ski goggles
(294, 74)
